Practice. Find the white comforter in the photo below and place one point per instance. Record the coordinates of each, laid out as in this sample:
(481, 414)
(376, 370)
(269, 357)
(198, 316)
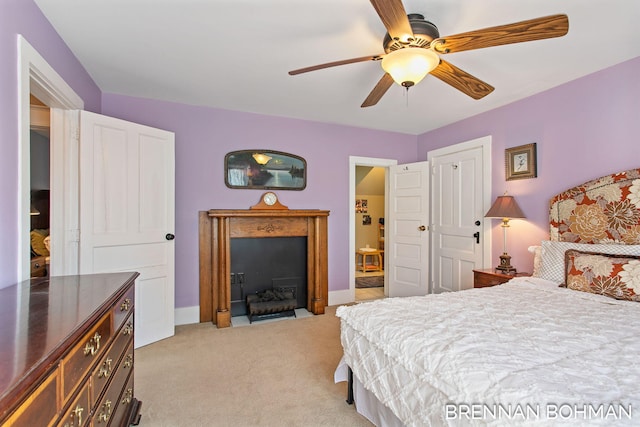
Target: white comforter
(545, 355)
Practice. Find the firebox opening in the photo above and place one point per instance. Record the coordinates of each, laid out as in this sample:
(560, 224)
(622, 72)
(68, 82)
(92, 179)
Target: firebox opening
(260, 264)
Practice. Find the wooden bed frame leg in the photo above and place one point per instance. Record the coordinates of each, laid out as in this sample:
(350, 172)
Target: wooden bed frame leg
(350, 388)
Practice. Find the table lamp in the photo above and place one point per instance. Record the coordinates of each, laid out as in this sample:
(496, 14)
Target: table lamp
(506, 208)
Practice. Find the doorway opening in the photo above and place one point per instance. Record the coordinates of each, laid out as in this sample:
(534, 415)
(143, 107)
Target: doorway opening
(37, 78)
(368, 182)
(40, 185)
(369, 232)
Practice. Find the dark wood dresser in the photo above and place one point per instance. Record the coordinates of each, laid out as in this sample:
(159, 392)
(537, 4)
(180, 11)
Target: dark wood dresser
(66, 351)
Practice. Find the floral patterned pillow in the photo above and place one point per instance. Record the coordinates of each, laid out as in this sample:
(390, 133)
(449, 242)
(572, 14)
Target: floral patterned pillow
(615, 276)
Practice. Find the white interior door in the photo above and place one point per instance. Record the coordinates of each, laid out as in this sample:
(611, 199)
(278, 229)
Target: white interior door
(407, 239)
(458, 200)
(127, 214)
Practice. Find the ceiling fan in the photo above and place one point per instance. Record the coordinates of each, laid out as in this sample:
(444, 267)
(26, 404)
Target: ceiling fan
(412, 45)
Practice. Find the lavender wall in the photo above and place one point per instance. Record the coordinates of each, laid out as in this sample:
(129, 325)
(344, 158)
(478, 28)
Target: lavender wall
(24, 17)
(584, 129)
(205, 135)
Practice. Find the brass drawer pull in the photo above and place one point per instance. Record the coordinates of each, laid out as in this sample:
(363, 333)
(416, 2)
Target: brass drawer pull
(93, 345)
(128, 361)
(105, 412)
(76, 417)
(128, 329)
(128, 396)
(105, 369)
(126, 305)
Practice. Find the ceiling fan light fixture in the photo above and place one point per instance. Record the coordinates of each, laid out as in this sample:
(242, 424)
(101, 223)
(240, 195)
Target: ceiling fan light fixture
(410, 65)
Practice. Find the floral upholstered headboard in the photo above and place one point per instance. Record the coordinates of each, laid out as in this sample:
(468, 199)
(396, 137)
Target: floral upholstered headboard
(604, 210)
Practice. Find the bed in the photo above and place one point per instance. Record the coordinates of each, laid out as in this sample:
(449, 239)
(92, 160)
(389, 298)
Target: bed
(556, 348)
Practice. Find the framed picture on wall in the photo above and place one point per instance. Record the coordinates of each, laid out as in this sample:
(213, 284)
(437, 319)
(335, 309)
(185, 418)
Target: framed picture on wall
(521, 162)
(265, 169)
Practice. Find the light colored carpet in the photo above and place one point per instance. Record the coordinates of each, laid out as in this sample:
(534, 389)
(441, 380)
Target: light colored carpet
(267, 374)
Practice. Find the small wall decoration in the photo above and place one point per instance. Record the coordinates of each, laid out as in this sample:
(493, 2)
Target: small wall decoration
(521, 162)
(362, 206)
(366, 219)
(265, 169)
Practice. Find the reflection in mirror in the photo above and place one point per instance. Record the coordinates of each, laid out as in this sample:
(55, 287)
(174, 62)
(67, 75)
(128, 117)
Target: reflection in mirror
(265, 169)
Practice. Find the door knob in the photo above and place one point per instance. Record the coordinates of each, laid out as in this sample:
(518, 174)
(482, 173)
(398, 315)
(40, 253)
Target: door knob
(477, 236)
(169, 236)
(422, 228)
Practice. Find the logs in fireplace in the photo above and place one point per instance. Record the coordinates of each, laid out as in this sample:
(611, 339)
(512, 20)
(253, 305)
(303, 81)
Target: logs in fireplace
(277, 302)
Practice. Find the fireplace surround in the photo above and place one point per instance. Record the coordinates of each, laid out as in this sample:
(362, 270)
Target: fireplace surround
(218, 226)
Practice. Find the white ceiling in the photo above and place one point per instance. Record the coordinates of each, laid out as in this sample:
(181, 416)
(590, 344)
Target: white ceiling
(235, 54)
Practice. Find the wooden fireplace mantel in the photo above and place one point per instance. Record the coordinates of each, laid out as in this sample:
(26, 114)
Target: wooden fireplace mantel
(218, 227)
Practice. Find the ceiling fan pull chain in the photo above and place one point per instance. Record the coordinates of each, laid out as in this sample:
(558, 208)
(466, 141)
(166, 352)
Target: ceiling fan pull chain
(407, 96)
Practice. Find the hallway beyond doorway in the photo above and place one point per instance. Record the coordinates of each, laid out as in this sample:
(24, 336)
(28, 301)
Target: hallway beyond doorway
(368, 294)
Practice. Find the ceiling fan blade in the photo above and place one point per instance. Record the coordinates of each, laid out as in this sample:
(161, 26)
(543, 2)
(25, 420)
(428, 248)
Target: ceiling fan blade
(394, 18)
(378, 91)
(534, 29)
(462, 80)
(335, 64)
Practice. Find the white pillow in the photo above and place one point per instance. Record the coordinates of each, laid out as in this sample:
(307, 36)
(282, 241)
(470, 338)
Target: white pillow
(552, 267)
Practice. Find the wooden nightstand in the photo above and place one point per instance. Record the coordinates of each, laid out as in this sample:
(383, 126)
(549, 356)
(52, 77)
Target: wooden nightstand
(488, 277)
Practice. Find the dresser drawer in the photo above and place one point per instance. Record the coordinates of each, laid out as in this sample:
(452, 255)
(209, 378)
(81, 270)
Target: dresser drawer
(79, 411)
(109, 405)
(123, 308)
(40, 408)
(485, 280)
(488, 277)
(38, 267)
(122, 410)
(76, 364)
(108, 366)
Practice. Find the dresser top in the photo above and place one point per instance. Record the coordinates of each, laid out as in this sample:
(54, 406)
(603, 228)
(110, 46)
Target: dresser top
(38, 315)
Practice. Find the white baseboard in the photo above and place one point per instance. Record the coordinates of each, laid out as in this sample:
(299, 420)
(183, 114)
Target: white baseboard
(187, 315)
(341, 297)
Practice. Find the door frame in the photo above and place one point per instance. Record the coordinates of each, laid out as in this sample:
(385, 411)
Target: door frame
(36, 76)
(355, 161)
(484, 143)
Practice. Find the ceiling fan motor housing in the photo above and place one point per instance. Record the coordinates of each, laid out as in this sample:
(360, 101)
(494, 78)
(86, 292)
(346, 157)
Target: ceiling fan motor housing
(423, 32)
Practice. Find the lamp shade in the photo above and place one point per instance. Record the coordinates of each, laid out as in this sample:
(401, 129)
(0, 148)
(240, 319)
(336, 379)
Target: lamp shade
(505, 207)
(409, 65)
